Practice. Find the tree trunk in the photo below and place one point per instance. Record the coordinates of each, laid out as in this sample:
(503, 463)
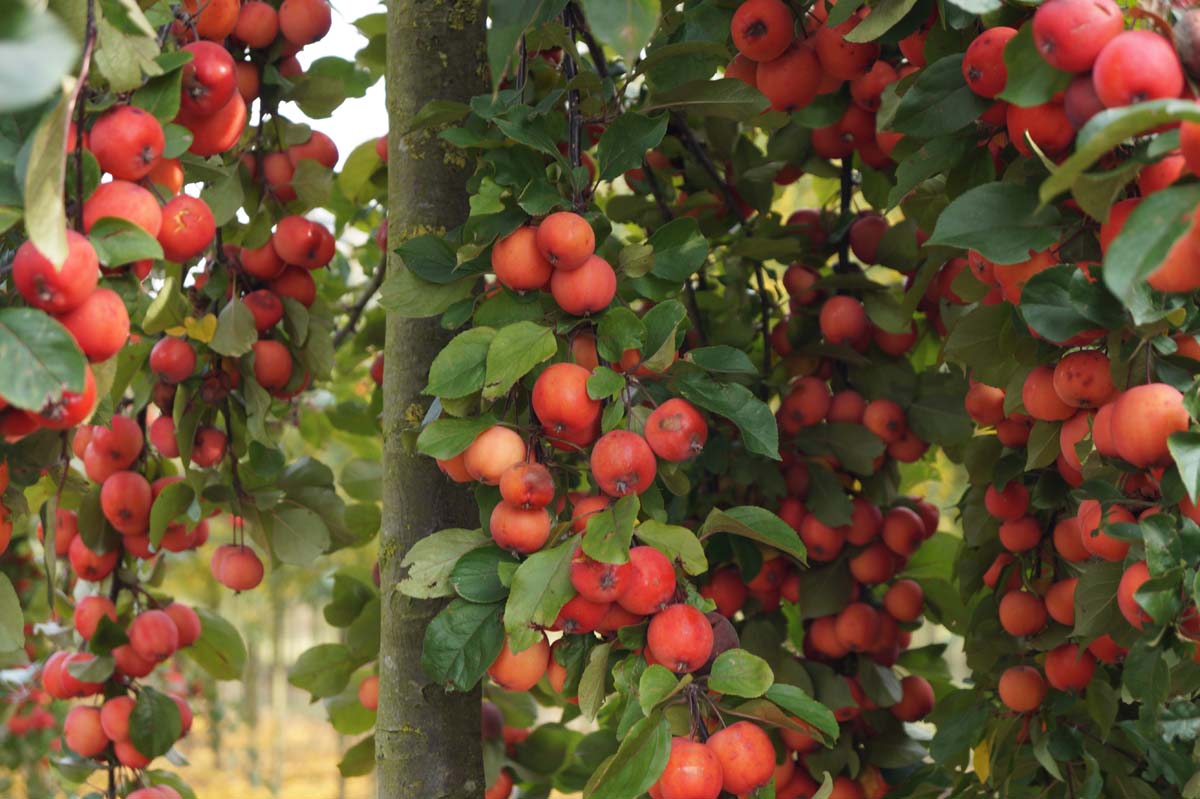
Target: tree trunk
(427, 740)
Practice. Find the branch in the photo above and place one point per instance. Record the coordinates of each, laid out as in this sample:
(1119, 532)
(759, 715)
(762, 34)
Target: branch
(360, 305)
(680, 128)
(574, 121)
(78, 106)
(847, 192)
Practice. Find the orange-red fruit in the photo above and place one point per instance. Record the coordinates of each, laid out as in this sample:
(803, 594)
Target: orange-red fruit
(187, 621)
(1137, 66)
(597, 581)
(1022, 688)
(523, 530)
(983, 64)
(83, 732)
(121, 199)
(746, 755)
(565, 240)
(1020, 535)
(125, 500)
(857, 626)
(88, 613)
(841, 58)
(1142, 419)
(903, 530)
(1068, 668)
(560, 399)
(843, 320)
(126, 141)
(237, 567)
(651, 581)
(188, 227)
(790, 81)
(693, 771)
(1069, 34)
(272, 365)
(622, 463)
(257, 24)
(56, 289)
(304, 21)
(1082, 380)
(522, 670)
(517, 262)
(492, 452)
(1009, 503)
(680, 637)
(762, 29)
(676, 431)
(527, 485)
(1022, 613)
(916, 699)
(1133, 579)
(587, 289)
(1095, 540)
(172, 359)
(114, 717)
(99, 324)
(153, 635)
(1040, 399)
(904, 600)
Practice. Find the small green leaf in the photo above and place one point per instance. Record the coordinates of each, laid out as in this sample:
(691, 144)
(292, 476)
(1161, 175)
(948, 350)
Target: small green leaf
(431, 561)
(459, 369)
(154, 724)
(514, 351)
(738, 673)
(461, 642)
(627, 140)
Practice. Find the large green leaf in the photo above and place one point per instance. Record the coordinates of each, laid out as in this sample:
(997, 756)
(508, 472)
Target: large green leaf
(38, 359)
(1003, 221)
(461, 642)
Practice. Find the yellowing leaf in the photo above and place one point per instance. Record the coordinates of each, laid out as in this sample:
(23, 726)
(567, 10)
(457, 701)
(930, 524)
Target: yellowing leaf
(981, 759)
(202, 329)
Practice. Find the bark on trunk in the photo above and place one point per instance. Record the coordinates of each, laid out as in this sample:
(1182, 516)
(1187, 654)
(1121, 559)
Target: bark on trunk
(427, 741)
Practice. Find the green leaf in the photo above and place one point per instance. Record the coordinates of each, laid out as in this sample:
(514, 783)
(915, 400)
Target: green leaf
(662, 321)
(476, 575)
(677, 543)
(36, 52)
(591, 682)
(625, 26)
(431, 561)
(604, 382)
(154, 724)
(323, 670)
(459, 369)
(236, 333)
(39, 359)
(738, 673)
(728, 98)
(933, 157)
(361, 479)
(1110, 128)
(298, 534)
(827, 498)
(219, 650)
(1185, 451)
(1047, 305)
(722, 358)
(410, 297)
(359, 759)
(12, 620)
(510, 20)
(540, 587)
(1147, 236)
(627, 139)
(679, 249)
(45, 216)
(513, 353)
(1031, 79)
(657, 684)
(855, 447)
(169, 307)
(160, 96)
(461, 642)
(884, 16)
(757, 524)
(436, 113)
(1000, 220)
(1096, 609)
(619, 329)
(430, 258)
(637, 764)
(939, 102)
(799, 704)
(119, 241)
(173, 502)
(448, 436)
(610, 531)
(735, 402)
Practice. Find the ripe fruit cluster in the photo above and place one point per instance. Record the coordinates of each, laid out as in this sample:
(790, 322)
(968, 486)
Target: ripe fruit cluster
(152, 636)
(557, 255)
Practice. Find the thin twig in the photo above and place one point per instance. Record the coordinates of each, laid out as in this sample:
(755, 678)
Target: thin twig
(574, 121)
(78, 105)
(678, 125)
(522, 67)
(847, 192)
(360, 305)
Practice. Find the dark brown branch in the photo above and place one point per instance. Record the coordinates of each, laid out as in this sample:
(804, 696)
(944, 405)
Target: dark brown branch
(574, 120)
(360, 305)
(847, 192)
(678, 125)
(78, 106)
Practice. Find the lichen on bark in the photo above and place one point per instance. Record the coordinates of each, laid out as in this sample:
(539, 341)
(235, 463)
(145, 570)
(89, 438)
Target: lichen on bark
(427, 740)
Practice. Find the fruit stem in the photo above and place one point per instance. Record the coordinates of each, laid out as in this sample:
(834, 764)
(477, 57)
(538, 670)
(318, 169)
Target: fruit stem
(847, 192)
(77, 106)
